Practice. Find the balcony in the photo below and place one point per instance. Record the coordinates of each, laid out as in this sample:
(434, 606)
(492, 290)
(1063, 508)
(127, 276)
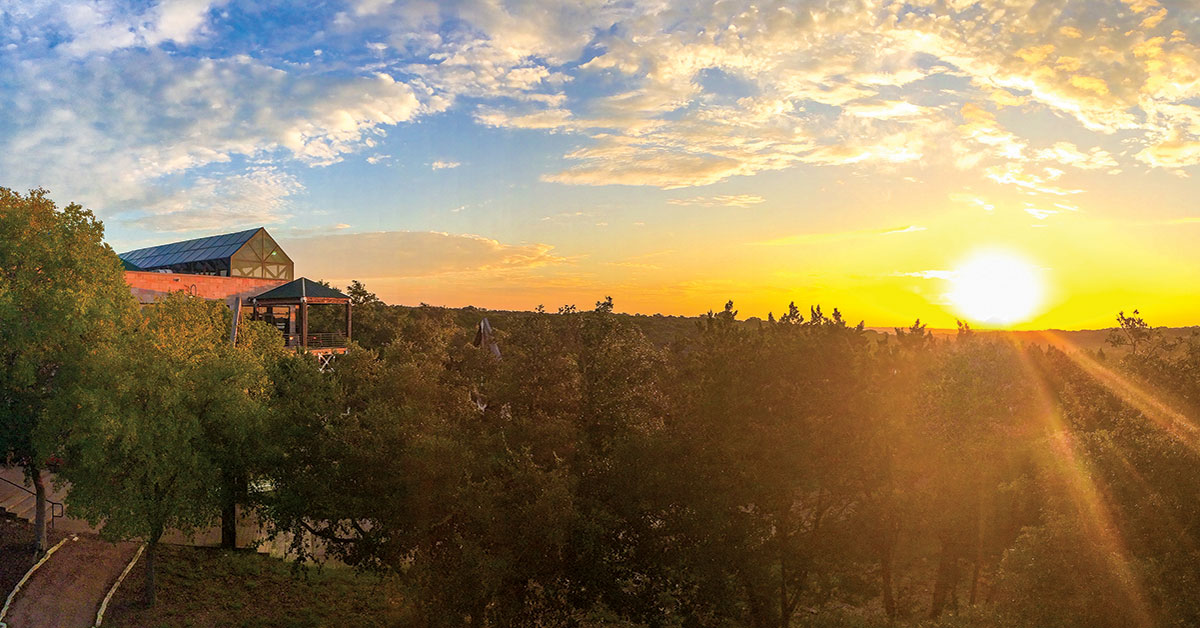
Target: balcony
(322, 340)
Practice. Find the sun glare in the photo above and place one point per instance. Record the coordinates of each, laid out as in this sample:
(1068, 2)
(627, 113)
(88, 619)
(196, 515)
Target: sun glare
(996, 288)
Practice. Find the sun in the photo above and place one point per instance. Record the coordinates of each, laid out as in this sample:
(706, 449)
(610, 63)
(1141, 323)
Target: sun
(996, 288)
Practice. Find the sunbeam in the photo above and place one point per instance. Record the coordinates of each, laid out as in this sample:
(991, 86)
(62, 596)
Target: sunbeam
(1088, 499)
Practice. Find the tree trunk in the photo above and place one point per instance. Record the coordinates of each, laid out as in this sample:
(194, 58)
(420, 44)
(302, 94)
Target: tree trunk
(39, 518)
(151, 553)
(885, 582)
(151, 550)
(975, 581)
(234, 492)
(947, 578)
(229, 525)
(758, 603)
(784, 619)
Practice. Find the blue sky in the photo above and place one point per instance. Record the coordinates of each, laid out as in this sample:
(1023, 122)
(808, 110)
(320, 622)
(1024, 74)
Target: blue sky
(673, 154)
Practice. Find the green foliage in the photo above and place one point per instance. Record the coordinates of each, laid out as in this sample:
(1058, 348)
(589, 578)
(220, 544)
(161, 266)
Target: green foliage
(61, 292)
(62, 298)
(171, 423)
(746, 476)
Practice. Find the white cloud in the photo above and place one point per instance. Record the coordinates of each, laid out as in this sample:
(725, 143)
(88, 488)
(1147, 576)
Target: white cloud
(102, 26)
(723, 200)
(973, 200)
(1028, 182)
(413, 254)
(858, 84)
(259, 197)
(1040, 214)
(908, 229)
(444, 164)
(567, 216)
(138, 116)
(885, 110)
(1172, 154)
(1068, 154)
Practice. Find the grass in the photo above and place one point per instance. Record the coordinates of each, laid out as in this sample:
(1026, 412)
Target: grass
(211, 587)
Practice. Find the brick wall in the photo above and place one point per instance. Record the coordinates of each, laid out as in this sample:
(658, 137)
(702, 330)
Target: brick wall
(148, 287)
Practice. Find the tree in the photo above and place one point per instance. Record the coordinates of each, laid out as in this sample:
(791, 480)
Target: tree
(359, 295)
(769, 426)
(167, 427)
(375, 324)
(978, 417)
(62, 296)
(236, 429)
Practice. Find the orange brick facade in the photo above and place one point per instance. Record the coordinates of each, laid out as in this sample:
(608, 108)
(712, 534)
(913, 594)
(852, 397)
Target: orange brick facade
(148, 286)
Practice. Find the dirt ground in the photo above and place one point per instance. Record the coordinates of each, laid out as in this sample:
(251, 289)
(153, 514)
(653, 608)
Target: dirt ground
(67, 589)
(16, 551)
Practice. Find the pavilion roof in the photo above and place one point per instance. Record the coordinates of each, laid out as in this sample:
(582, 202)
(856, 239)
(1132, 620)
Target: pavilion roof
(301, 288)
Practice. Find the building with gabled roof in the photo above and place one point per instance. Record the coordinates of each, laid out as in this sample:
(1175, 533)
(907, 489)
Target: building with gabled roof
(251, 273)
(251, 253)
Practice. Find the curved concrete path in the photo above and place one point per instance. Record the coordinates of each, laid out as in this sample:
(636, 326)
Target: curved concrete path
(67, 589)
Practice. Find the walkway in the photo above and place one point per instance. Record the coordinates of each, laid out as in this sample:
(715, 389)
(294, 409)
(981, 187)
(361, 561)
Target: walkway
(67, 589)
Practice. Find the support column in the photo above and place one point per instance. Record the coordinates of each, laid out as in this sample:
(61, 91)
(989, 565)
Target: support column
(348, 326)
(303, 322)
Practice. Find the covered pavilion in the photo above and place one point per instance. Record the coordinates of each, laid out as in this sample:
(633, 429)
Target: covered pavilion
(287, 307)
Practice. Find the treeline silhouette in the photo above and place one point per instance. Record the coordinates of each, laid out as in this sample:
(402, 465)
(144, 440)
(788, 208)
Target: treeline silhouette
(801, 471)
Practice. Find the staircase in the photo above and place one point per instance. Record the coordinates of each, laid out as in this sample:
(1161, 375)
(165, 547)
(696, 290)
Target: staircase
(20, 501)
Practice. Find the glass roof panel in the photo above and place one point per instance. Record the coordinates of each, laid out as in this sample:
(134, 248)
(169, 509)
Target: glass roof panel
(211, 248)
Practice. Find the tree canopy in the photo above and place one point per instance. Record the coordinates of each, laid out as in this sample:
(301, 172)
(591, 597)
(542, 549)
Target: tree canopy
(62, 297)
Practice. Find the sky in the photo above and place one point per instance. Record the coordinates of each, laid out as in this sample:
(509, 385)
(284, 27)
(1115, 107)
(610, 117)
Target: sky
(673, 154)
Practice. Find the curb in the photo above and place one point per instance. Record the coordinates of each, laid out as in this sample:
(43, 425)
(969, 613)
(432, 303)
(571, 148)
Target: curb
(113, 590)
(13, 594)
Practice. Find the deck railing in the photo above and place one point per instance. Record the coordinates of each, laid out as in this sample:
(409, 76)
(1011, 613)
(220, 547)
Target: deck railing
(322, 340)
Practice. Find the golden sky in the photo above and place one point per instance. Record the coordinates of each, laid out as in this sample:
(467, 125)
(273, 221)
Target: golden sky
(855, 154)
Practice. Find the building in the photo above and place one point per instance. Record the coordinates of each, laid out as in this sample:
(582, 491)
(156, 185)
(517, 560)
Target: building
(252, 253)
(252, 274)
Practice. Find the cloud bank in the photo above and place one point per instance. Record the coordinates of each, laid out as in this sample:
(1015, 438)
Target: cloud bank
(145, 110)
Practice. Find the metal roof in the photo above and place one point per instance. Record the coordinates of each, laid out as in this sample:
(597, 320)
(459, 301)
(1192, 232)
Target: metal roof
(197, 250)
(302, 287)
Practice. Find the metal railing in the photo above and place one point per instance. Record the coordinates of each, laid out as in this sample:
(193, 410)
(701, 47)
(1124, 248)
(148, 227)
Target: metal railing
(56, 508)
(320, 340)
